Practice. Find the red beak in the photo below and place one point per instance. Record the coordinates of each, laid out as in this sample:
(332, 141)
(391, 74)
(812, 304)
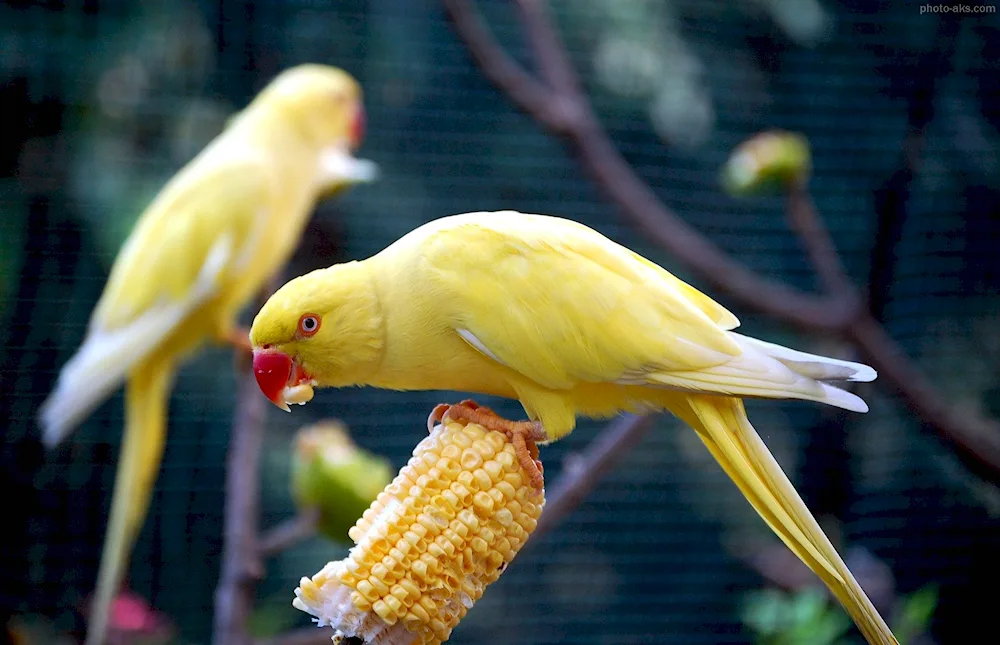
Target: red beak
(272, 369)
(358, 126)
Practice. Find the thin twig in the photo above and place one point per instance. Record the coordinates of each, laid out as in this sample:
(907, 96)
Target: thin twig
(840, 312)
(241, 565)
(550, 57)
(815, 237)
(975, 438)
(503, 70)
(783, 569)
(288, 533)
(617, 178)
(603, 453)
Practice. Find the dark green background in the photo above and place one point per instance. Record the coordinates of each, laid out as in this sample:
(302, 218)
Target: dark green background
(103, 101)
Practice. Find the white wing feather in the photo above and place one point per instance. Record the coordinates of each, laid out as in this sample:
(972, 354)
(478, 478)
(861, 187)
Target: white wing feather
(763, 370)
(99, 367)
(767, 370)
(821, 368)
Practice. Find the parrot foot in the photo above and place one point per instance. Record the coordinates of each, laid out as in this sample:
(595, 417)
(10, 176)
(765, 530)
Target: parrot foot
(523, 434)
(239, 338)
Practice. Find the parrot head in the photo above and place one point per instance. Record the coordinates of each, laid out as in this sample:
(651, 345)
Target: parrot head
(322, 329)
(323, 102)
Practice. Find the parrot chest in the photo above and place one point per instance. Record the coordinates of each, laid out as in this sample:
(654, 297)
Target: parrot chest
(438, 361)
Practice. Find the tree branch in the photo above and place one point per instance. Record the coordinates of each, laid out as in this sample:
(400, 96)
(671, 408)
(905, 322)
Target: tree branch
(613, 174)
(241, 564)
(550, 56)
(503, 70)
(783, 569)
(582, 475)
(819, 246)
(567, 112)
(288, 533)
(976, 439)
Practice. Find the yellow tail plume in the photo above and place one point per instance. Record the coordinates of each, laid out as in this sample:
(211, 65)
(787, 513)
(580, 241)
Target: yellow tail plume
(722, 424)
(146, 398)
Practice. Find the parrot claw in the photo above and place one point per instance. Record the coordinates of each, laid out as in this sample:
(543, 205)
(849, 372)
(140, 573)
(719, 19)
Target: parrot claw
(239, 338)
(523, 434)
(436, 415)
(441, 409)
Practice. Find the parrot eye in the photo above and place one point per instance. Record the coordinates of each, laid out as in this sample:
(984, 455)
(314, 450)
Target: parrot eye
(308, 324)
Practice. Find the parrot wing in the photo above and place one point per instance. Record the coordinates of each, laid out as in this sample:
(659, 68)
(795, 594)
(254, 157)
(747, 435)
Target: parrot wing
(569, 305)
(198, 230)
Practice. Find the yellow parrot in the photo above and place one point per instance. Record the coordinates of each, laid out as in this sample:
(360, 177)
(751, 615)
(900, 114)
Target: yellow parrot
(552, 313)
(212, 237)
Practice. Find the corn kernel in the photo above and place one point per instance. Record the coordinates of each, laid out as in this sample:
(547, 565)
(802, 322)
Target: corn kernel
(419, 569)
(394, 603)
(469, 519)
(483, 503)
(419, 613)
(506, 490)
(384, 612)
(380, 587)
(430, 544)
(367, 590)
(507, 461)
(497, 496)
(496, 441)
(494, 469)
(360, 601)
(462, 493)
(483, 448)
(466, 478)
(410, 590)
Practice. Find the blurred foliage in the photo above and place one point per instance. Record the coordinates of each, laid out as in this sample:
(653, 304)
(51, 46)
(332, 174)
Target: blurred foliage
(812, 617)
(767, 161)
(912, 620)
(332, 474)
(642, 52)
(150, 114)
(807, 617)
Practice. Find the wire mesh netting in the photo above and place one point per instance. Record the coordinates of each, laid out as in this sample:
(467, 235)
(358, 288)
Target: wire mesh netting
(104, 101)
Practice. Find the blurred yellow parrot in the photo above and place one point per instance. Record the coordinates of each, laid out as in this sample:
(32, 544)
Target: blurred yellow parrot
(212, 237)
(550, 312)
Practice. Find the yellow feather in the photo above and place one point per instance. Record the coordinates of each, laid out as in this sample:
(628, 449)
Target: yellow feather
(209, 240)
(722, 424)
(146, 402)
(550, 312)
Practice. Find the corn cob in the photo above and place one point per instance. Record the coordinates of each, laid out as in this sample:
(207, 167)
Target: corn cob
(445, 528)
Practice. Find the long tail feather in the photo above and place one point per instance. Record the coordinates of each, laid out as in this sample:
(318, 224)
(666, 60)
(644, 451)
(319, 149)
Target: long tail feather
(146, 399)
(723, 426)
(766, 370)
(814, 366)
